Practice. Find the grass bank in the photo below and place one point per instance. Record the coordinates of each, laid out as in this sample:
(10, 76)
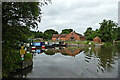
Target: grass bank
(28, 57)
(81, 42)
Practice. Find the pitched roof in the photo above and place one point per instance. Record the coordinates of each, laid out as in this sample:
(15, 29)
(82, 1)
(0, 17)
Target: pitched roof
(63, 35)
(96, 37)
(77, 33)
(55, 35)
(59, 35)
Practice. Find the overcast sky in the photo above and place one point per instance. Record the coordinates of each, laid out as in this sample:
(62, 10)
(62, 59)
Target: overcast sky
(78, 15)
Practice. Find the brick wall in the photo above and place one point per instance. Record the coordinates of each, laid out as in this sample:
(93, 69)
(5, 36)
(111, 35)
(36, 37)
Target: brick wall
(54, 39)
(62, 39)
(68, 37)
(76, 37)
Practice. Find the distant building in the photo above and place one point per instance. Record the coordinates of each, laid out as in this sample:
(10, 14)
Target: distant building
(73, 36)
(97, 39)
(57, 37)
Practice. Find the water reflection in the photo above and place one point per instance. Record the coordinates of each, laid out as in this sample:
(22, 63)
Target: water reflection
(65, 51)
(78, 62)
(105, 56)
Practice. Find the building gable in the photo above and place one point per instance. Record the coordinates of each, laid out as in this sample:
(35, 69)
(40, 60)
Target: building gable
(68, 37)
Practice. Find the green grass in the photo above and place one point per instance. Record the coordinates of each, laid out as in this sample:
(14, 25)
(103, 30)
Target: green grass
(75, 47)
(75, 42)
(28, 56)
(81, 42)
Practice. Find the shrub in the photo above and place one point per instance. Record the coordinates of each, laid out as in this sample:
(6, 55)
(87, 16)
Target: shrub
(86, 43)
(10, 61)
(28, 56)
(92, 43)
(108, 44)
(49, 52)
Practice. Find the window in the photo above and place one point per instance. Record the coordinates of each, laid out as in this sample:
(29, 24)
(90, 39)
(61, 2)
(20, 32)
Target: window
(72, 33)
(72, 38)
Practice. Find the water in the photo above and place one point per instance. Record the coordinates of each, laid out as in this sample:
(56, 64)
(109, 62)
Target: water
(74, 62)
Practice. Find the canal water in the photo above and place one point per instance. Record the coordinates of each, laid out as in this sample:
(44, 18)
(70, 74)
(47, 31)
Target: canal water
(74, 62)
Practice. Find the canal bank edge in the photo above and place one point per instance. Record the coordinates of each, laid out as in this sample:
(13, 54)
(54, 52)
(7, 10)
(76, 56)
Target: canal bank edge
(27, 64)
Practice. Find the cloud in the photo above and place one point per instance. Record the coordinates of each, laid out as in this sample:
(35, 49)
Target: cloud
(78, 15)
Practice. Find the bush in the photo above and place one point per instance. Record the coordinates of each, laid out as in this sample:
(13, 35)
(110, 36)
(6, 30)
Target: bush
(49, 52)
(92, 43)
(28, 56)
(108, 44)
(10, 61)
(86, 43)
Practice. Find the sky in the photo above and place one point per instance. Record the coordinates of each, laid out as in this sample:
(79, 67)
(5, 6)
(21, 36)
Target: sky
(77, 14)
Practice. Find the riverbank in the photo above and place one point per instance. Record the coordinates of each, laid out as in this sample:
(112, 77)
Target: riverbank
(84, 43)
(15, 63)
(27, 64)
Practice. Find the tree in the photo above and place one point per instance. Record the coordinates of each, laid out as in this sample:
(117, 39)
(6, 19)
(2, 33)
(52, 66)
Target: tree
(50, 32)
(106, 30)
(88, 33)
(17, 19)
(66, 31)
(118, 33)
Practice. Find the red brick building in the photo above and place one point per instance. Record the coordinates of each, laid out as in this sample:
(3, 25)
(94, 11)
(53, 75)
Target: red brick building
(73, 36)
(97, 39)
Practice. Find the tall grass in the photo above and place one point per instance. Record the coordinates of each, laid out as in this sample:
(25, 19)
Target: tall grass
(28, 56)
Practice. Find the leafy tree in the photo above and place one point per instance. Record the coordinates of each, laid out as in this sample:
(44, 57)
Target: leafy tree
(88, 33)
(117, 33)
(66, 31)
(50, 33)
(17, 19)
(106, 30)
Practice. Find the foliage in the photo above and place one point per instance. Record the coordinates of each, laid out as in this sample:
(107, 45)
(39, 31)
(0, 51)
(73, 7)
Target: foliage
(13, 14)
(50, 32)
(86, 43)
(39, 35)
(92, 43)
(108, 31)
(11, 60)
(66, 31)
(88, 31)
(90, 34)
(66, 54)
(47, 35)
(118, 34)
(28, 56)
(108, 44)
(17, 19)
(72, 47)
(49, 52)
(74, 42)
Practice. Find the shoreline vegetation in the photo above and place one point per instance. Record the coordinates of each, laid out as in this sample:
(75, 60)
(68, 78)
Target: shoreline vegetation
(83, 43)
